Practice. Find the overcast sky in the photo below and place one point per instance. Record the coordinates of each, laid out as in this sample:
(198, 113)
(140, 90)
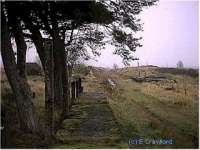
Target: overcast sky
(170, 34)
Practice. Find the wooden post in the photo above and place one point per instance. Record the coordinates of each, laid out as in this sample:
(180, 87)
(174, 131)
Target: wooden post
(80, 86)
(70, 96)
(138, 68)
(70, 104)
(49, 90)
(73, 91)
(77, 88)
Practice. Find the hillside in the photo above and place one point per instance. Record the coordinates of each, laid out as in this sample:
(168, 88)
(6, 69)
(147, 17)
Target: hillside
(164, 108)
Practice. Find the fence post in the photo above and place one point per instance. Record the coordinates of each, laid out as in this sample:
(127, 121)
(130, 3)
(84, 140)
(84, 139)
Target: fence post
(73, 91)
(77, 88)
(80, 86)
(70, 94)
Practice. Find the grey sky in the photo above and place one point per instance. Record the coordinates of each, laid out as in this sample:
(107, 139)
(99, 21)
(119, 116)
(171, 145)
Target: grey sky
(170, 34)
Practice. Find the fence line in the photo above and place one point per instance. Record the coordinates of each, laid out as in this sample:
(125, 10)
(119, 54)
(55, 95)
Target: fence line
(76, 89)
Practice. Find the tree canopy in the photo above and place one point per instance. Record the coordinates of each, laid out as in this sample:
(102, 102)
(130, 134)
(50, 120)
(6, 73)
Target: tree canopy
(92, 20)
(72, 29)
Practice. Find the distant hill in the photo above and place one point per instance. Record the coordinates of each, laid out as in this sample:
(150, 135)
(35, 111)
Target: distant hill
(184, 71)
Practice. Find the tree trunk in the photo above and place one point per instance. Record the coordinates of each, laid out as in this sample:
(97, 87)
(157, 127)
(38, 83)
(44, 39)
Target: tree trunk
(21, 45)
(69, 85)
(20, 42)
(21, 52)
(49, 91)
(58, 75)
(37, 39)
(20, 87)
(38, 42)
(61, 81)
(65, 84)
(70, 81)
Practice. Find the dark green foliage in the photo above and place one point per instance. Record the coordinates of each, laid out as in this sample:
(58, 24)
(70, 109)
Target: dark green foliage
(87, 17)
(124, 19)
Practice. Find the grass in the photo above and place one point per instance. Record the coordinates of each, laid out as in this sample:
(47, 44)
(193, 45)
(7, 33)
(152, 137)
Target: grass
(148, 110)
(13, 137)
(91, 123)
(141, 110)
(80, 113)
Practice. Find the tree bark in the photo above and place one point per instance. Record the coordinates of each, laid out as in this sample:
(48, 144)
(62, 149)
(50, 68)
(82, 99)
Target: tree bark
(21, 48)
(49, 91)
(20, 42)
(20, 87)
(65, 82)
(60, 64)
(37, 39)
(61, 80)
(58, 73)
(69, 83)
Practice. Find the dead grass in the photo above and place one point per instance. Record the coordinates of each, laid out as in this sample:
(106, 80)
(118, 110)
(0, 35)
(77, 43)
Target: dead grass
(14, 137)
